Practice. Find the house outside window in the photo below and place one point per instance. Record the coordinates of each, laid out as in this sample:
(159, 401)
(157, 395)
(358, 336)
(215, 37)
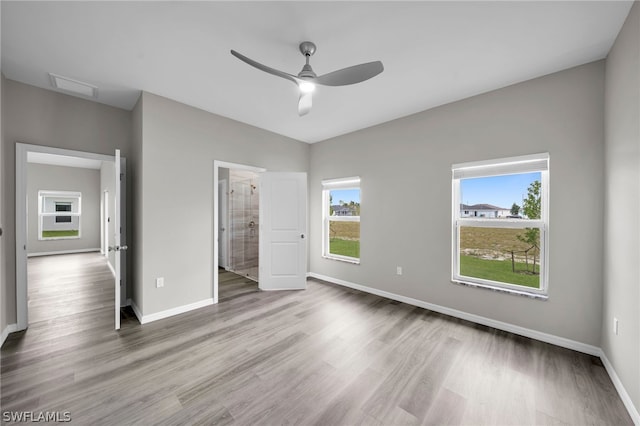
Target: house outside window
(59, 214)
(63, 207)
(341, 219)
(500, 224)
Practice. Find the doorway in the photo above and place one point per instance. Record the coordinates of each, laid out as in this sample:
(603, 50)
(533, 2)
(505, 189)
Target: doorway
(62, 213)
(280, 231)
(238, 234)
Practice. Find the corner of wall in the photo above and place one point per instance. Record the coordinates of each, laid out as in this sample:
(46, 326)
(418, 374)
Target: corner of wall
(621, 295)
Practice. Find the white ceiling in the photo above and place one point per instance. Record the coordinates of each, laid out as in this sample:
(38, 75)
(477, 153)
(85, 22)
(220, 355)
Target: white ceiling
(433, 52)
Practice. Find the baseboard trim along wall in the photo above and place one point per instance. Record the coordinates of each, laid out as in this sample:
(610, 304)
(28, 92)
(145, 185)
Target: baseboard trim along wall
(626, 399)
(144, 319)
(522, 331)
(49, 253)
(11, 328)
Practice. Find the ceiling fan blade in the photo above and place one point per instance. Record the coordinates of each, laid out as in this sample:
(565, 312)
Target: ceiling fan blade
(304, 103)
(351, 75)
(265, 68)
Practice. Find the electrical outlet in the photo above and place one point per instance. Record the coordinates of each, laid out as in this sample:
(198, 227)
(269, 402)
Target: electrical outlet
(398, 270)
(615, 326)
(159, 282)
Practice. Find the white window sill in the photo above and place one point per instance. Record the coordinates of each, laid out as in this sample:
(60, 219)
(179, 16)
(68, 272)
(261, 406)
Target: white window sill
(342, 259)
(530, 294)
(58, 238)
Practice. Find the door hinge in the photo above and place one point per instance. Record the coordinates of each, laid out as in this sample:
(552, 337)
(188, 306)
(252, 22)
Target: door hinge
(121, 175)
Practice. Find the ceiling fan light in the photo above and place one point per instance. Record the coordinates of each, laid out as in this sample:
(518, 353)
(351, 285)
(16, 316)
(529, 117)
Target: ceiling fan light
(307, 87)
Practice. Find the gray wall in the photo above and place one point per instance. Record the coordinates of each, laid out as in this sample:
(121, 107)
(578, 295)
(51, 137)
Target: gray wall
(41, 117)
(622, 227)
(175, 186)
(55, 178)
(408, 162)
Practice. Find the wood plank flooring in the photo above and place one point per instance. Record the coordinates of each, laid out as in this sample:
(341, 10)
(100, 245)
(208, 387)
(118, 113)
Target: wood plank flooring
(68, 284)
(325, 356)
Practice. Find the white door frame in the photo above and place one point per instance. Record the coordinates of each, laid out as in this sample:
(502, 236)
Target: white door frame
(104, 223)
(22, 151)
(224, 198)
(216, 166)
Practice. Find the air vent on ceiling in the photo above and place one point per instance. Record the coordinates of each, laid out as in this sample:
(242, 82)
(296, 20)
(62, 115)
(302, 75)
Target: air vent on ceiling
(73, 86)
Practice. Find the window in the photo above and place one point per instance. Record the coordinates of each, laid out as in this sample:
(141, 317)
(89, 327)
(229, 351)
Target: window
(58, 215)
(503, 243)
(341, 219)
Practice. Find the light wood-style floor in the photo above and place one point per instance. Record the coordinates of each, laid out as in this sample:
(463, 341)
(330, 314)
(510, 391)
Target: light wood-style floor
(62, 286)
(326, 356)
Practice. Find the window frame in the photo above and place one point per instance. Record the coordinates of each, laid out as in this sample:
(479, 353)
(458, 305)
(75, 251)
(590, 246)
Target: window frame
(75, 196)
(327, 186)
(501, 167)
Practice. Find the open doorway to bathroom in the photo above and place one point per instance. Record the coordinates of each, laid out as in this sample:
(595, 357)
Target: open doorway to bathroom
(238, 230)
(244, 215)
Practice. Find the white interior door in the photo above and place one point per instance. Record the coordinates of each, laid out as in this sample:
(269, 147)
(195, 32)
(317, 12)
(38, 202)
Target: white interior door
(283, 231)
(117, 246)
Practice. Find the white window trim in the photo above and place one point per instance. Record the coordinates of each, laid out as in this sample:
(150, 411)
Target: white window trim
(62, 194)
(505, 166)
(327, 186)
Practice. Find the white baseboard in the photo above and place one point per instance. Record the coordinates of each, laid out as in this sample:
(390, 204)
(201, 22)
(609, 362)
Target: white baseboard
(624, 395)
(11, 328)
(50, 253)
(516, 329)
(144, 319)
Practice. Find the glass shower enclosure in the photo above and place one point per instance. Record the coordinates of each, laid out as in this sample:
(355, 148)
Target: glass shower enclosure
(243, 220)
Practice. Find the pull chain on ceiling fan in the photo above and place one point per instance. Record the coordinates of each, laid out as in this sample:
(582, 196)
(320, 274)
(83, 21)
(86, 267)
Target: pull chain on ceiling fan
(306, 80)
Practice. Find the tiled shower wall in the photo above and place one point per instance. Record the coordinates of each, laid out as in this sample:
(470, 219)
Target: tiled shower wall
(244, 215)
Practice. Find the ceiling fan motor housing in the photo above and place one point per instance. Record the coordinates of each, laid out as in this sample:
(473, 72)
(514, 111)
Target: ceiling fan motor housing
(307, 71)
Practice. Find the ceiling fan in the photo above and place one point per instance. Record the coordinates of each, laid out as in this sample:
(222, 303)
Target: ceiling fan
(307, 79)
